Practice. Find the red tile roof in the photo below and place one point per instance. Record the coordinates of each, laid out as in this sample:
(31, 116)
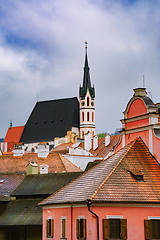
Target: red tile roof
(14, 134)
(114, 179)
(103, 150)
(63, 146)
(55, 161)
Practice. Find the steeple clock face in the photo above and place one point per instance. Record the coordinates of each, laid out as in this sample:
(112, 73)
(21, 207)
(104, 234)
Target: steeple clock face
(83, 103)
(92, 103)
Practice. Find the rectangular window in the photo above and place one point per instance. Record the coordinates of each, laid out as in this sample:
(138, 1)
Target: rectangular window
(81, 228)
(49, 227)
(114, 228)
(63, 227)
(152, 229)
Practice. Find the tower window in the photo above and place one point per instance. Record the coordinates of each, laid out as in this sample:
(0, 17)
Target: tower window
(92, 116)
(82, 116)
(87, 101)
(88, 117)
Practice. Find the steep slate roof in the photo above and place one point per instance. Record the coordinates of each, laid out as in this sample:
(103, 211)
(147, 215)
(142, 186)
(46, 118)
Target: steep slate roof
(113, 180)
(9, 182)
(55, 161)
(44, 184)
(24, 211)
(14, 134)
(21, 212)
(50, 119)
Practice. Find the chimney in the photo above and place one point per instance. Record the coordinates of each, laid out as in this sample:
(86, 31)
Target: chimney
(43, 150)
(107, 140)
(87, 141)
(44, 169)
(95, 142)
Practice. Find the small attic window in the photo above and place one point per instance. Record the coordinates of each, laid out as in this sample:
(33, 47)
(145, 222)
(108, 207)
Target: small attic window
(45, 121)
(1, 181)
(61, 119)
(36, 122)
(139, 178)
(137, 175)
(52, 120)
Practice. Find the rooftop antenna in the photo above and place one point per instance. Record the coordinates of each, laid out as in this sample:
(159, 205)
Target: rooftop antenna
(143, 81)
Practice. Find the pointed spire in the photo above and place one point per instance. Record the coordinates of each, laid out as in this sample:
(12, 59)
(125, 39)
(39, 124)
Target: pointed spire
(86, 78)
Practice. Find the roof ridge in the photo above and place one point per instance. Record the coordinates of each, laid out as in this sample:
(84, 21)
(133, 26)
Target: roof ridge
(62, 161)
(70, 162)
(113, 169)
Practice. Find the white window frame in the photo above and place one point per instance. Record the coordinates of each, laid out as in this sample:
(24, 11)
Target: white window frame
(153, 218)
(114, 217)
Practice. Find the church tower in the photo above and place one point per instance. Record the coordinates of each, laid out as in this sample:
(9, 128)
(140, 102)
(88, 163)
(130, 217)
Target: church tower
(87, 102)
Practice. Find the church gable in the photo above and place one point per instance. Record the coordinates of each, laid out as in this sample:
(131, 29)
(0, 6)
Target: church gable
(137, 108)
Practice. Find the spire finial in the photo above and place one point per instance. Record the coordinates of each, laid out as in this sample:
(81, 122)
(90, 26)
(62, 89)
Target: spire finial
(86, 43)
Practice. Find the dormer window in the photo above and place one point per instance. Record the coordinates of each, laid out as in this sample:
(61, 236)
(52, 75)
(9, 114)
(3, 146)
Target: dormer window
(136, 174)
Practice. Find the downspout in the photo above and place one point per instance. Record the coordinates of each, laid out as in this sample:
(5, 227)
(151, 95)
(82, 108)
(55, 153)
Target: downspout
(88, 202)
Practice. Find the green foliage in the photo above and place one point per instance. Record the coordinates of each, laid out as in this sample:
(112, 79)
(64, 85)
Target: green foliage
(101, 135)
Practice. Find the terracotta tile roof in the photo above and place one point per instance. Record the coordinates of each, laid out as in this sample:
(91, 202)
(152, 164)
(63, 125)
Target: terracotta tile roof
(9, 182)
(11, 164)
(63, 146)
(113, 181)
(14, 134)
(102, 151)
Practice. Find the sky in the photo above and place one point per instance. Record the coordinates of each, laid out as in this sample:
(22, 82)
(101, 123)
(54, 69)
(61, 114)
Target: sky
(42, 54)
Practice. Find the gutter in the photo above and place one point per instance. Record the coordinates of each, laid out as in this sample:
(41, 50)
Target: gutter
(88, 202)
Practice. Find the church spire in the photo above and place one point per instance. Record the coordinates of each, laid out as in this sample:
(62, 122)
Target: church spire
(86, 79)
(87, 102)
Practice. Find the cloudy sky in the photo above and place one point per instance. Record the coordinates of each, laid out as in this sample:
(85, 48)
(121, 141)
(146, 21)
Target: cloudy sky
(42, 54)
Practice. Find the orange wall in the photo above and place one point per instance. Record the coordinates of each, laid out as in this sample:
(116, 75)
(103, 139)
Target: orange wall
(138, 123)
(137, 108)
(135, 220)
(144, 135)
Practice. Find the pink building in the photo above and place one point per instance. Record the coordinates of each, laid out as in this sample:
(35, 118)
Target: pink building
(142, 118)
(117, 199)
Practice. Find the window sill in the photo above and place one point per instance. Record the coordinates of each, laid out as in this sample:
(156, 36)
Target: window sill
(63, 238)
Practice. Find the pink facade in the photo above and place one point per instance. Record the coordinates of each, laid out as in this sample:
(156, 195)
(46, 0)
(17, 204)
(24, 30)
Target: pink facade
(141, 118)
(135, 215)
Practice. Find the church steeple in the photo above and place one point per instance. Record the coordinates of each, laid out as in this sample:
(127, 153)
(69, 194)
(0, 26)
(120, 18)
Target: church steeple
(87, 102)
(86, 79)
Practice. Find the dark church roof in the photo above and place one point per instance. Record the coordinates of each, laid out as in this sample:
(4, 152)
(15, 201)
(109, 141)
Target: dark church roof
(50, 119)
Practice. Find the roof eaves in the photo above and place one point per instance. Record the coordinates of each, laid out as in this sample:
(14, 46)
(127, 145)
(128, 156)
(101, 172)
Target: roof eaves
(112, 170)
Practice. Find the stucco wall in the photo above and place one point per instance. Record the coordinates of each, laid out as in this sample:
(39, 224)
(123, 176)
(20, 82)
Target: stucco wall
(135, 216)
